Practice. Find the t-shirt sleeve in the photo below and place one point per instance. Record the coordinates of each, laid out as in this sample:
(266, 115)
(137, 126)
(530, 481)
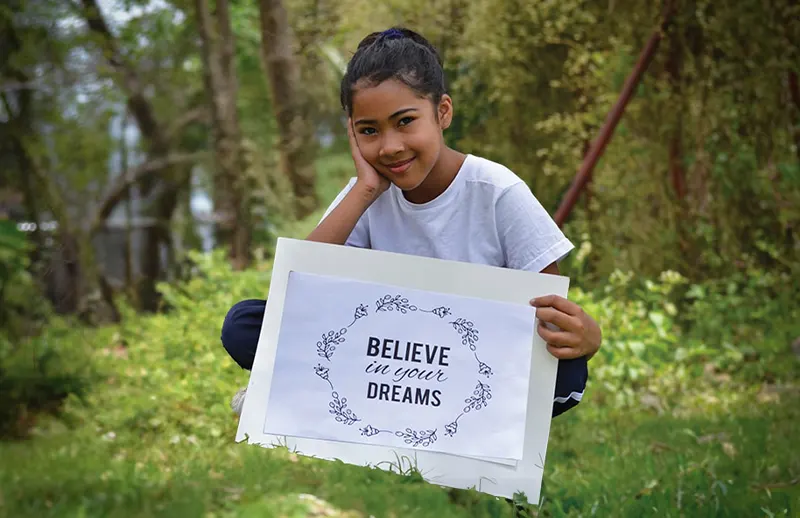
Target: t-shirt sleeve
(530, 238)
(359, 237)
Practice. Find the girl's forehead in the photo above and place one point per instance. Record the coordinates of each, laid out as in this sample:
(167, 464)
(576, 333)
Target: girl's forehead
(379, 101)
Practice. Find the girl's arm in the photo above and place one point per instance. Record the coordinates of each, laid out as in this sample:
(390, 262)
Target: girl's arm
(339, 224)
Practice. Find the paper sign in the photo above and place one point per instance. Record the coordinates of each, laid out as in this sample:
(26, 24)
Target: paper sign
(404, 273)
(374, 364)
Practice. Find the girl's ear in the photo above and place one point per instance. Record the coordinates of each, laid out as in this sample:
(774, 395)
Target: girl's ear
(445, 112)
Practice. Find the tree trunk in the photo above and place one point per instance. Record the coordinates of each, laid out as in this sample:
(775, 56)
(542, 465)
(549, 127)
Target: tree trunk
(128, 210)
(674, 64)
(794, 93)
(296, 134)
(156, 138)
(230, 185)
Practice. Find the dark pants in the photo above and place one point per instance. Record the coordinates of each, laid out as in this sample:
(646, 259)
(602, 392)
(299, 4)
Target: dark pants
(242, 326)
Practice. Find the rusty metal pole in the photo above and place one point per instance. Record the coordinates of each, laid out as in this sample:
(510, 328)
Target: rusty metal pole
(598, 146)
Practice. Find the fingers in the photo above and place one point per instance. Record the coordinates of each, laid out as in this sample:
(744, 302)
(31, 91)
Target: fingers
(560, 303)
(560, 319)
(351, 136)
(564, 353)
(559, 338)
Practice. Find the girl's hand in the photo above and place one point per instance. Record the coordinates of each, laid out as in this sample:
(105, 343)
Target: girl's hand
(371, 180)
(578, 334)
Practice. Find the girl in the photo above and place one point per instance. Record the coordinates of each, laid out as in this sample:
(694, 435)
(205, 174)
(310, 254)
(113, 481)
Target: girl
(415, 195)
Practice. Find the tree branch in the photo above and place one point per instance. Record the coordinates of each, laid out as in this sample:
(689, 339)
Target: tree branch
(137, 103)
(124, 181)
(196, 114)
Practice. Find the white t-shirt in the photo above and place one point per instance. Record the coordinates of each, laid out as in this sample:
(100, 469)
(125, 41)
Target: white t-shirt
(487, 215)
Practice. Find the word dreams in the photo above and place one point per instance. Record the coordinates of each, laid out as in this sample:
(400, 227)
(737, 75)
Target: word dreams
(413, 352)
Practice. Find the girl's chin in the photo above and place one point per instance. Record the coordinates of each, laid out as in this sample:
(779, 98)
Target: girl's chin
(407, 184)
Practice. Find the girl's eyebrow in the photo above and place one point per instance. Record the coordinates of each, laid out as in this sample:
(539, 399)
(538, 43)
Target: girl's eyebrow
(392, 116)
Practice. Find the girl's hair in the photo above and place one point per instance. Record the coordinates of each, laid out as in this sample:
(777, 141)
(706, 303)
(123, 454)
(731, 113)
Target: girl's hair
(396, 53)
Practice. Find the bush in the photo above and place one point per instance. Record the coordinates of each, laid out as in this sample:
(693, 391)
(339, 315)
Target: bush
(38, 374)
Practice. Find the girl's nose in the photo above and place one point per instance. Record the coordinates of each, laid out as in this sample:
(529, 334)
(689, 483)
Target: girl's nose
(391, 145)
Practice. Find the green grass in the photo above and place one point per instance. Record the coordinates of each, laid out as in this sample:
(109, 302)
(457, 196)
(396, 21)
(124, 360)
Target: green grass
(601, 462)
(153, 435)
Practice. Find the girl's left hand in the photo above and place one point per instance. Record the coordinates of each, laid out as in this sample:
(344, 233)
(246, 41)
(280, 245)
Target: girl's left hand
(578, 334)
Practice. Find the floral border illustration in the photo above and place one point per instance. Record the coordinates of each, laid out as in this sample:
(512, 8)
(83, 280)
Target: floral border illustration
(327, 345)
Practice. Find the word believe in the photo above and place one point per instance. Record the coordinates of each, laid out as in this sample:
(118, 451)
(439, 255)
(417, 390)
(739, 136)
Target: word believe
(392, 350)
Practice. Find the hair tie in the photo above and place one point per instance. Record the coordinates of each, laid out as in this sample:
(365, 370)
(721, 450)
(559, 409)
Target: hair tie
(391, 34)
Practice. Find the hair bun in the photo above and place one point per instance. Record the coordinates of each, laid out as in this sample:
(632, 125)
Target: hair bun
(392, 34)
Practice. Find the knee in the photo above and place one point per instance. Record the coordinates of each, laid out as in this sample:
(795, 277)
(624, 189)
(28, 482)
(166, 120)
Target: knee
(240, 330)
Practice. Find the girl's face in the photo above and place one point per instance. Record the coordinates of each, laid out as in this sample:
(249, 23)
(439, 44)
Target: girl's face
(398, 131)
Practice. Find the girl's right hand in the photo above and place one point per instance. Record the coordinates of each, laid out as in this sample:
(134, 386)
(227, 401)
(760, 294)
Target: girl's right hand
(370, 180)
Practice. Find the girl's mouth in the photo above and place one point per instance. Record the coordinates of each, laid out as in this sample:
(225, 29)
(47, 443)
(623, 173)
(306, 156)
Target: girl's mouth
(400, 167)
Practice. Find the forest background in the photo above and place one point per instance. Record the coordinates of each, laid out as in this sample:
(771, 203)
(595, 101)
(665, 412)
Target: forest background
(151, 152)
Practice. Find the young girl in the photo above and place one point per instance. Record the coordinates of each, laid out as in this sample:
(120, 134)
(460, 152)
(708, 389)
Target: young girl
(415, 195)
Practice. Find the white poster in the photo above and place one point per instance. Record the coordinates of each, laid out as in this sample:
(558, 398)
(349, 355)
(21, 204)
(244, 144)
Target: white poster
(375, 364)
(499, 476)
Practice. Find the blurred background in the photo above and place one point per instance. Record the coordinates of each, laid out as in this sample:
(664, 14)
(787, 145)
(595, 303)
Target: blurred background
(151, 152)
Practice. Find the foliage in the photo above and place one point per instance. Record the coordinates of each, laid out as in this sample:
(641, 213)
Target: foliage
(38, 373)
(153, 432)
(21, 304)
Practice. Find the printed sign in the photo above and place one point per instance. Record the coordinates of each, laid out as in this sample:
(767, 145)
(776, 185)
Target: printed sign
(452, 334)
(374, 364)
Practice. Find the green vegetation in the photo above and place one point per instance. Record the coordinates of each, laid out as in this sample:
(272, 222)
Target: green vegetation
(691, 411)
(687, 237)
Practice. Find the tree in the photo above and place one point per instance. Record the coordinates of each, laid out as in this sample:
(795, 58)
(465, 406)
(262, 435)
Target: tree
(230, 189)
(295, 133)
(160, 189)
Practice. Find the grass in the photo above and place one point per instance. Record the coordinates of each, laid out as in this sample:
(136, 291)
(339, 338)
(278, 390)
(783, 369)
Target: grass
(153, 435)
(731, 460)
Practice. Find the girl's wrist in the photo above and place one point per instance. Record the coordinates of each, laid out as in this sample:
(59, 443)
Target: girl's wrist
(366, 193)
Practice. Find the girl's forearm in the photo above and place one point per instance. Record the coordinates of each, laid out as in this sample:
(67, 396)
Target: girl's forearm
(339, 224)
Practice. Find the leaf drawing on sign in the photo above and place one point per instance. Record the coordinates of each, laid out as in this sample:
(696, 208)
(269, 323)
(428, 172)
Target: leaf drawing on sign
(480, 397)
(340, 410)
(322, 372)
(327, 345)
(398, 303)
(420, 438)
(360, 312)
(469, 335)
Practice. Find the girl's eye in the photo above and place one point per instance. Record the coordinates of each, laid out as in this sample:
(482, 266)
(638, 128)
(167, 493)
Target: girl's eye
(406, 121)
(367, 131)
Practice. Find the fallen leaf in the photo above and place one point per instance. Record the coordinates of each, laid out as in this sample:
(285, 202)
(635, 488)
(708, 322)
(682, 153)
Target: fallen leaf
(729, 449)
(657, 447)
(648, 489)
(776, 485)
(703, 439)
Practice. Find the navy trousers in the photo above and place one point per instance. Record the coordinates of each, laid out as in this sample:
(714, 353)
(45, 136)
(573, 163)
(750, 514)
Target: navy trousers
(242, 326)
